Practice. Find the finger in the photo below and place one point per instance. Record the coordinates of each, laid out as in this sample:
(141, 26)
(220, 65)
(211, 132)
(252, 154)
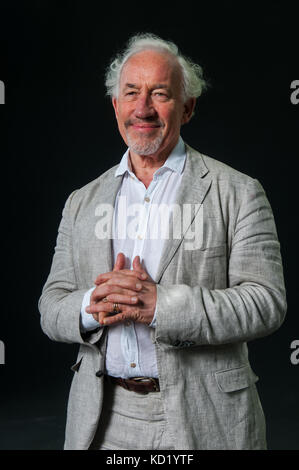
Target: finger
(96, 316)
(126, 282)
(101, 278)
(138, 267)
(102, 315)
(106, 289)
(120, 262)
(109, 306)
(113, 319)
(121, 300)
(113, 277)
(105, 276)
(129, 313)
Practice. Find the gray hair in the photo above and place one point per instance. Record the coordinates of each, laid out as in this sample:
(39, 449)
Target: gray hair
(193, 81)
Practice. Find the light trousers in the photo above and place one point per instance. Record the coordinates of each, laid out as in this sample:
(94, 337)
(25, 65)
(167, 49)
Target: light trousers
(131, 421)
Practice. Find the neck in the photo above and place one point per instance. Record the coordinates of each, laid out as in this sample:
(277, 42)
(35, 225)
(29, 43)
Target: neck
(143, 171)
(144, 166)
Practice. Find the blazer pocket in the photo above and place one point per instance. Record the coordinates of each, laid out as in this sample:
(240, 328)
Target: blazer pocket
(75, 367)
(210, 267)
(214, 251)
(231, 380)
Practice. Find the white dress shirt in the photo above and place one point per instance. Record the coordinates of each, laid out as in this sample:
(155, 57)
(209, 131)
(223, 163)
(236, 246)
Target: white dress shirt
(137, 230)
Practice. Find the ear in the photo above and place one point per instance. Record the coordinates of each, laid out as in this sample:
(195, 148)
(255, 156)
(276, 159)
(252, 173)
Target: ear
(189, 106)
(115, 105)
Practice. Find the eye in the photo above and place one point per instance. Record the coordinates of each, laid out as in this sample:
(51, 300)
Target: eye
(160, 95)
(130, 95)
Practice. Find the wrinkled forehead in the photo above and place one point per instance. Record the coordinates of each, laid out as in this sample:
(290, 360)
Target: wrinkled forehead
(151, 67)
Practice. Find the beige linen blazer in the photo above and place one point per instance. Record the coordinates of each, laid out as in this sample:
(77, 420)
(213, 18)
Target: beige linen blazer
(211, 301)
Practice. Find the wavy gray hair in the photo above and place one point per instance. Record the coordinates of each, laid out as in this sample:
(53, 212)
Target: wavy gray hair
(193, 81)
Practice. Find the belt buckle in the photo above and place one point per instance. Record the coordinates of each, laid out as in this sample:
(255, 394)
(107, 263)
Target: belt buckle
(148, 379)
(156, 389)
(141, 380)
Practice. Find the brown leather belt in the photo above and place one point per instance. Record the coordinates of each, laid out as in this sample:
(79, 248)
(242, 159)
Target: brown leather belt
(136, 384)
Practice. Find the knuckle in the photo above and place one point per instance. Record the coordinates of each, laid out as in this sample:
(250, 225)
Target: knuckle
(134, 313)
(109, 289)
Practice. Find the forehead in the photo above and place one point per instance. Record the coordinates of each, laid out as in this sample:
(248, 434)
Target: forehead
(151, 67)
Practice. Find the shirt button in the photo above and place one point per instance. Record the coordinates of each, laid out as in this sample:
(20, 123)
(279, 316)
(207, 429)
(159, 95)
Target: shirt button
(133, 364)
(139, 237)
(147, 199)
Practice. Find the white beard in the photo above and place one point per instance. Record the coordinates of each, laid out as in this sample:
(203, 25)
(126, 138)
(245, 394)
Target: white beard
(144, 146)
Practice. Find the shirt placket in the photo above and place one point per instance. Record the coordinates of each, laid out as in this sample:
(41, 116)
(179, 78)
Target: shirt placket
(129, 340)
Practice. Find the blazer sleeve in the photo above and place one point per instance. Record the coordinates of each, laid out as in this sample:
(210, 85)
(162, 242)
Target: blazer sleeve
(61, 299)
(254, 303)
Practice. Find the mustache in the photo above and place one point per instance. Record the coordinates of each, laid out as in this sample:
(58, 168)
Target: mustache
(132, 122)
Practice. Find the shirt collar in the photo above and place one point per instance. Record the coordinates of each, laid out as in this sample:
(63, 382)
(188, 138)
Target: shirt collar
(174, 162)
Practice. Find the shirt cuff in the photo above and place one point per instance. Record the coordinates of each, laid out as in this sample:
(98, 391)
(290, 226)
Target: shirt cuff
(87, 322)
(153, 323)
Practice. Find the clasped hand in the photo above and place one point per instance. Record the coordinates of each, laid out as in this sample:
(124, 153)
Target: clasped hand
(132, 290)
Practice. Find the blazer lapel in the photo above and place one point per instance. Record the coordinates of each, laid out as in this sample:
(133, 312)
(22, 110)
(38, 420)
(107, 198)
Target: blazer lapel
(107, 195)
(193, 189)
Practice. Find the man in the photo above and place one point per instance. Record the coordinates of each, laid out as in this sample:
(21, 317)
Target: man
(163, 292)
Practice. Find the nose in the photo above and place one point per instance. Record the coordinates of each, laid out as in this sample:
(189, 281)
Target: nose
(144, 107)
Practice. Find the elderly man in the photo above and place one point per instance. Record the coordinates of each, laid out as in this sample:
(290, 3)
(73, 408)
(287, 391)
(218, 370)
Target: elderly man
(165, 266)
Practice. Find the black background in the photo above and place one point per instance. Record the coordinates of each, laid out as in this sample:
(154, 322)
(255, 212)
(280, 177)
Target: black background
(58, 132)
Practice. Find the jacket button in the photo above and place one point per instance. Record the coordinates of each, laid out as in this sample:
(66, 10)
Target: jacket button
(99, 373)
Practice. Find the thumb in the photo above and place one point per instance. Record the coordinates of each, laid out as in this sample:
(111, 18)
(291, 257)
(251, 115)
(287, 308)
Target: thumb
(120, 262)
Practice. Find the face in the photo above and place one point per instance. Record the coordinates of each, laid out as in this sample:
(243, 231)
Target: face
(150, 108)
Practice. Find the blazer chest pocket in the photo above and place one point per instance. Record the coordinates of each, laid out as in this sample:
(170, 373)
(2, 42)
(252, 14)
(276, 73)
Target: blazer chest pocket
(231, 380)
(213, 251)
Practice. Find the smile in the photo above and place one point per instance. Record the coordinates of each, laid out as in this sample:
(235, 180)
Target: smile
(143, 128)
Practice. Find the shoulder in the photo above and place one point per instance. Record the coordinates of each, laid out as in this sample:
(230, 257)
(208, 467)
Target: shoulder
(89, 192)
(218, 171)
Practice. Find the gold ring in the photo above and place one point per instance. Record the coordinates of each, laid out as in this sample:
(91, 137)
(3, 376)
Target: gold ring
(115, 308)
